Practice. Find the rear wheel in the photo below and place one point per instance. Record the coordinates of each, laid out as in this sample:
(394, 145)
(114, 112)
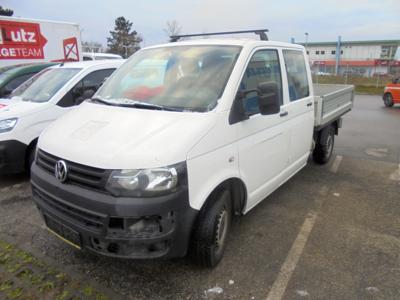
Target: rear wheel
(324, 145)
(212, 229)
(388, 100)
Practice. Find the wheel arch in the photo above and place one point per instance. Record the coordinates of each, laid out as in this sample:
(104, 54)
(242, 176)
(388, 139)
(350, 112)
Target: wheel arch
(30, 147)
(318, 131)
(335, 125)
(238, 191)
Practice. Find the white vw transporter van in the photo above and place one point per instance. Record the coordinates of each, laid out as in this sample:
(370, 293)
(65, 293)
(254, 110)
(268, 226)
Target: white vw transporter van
(178, 140)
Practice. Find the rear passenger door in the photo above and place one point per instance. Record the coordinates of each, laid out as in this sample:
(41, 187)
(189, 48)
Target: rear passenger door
(300, 109)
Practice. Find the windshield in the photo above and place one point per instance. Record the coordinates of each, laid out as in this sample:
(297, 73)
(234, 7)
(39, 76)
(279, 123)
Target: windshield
(43, 86)
(181, 77)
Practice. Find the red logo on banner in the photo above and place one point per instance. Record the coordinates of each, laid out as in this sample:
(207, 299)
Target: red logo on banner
(71, 49)
(2, 105)
(21, 40)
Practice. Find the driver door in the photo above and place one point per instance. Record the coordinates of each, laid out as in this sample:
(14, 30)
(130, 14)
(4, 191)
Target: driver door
(263, 140)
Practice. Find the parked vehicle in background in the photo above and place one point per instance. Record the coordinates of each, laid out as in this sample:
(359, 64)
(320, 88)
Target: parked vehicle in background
(320, 73)
(33, 41)
(9, 67)
(180, 138)
(391, 93)
(14, 77)
(41, 100)
(100, 56)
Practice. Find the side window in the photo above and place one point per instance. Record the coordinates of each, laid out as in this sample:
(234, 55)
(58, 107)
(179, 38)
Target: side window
(95, 79)
(297, 74)
(85, 88)
(16, 82)
(263, 67)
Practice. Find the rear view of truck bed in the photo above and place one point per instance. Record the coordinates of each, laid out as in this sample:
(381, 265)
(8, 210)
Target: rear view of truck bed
(331, 102)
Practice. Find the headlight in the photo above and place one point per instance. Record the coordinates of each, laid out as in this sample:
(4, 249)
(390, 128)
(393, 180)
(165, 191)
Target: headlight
(145, 182)
(7, 124)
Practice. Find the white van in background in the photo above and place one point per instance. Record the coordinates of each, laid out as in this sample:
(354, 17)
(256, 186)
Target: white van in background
(99, 56)
(41, 100)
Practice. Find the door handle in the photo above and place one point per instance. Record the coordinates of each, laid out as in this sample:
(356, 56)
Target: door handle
(283, 114)
(309, 104)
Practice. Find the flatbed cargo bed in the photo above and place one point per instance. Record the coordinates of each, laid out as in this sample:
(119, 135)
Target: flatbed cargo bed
(331, 102)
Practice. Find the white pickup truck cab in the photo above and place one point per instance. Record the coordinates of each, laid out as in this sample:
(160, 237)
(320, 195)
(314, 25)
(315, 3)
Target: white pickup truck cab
(178, 140)
(41, 100)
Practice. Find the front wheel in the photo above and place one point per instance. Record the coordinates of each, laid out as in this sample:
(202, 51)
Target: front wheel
(212, 229)
(388, 100)
(324, 145)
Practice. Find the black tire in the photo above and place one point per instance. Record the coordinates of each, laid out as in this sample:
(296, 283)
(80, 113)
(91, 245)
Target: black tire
(211, 230)
(324, 145)
(388, 100)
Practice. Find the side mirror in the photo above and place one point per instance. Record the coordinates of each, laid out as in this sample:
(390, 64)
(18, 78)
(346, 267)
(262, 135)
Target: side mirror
(268, 98)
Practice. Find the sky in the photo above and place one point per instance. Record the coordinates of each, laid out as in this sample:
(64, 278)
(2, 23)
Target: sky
(323, 20)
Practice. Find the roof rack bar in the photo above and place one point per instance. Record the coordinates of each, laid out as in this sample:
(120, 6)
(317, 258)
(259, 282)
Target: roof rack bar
(260, 32)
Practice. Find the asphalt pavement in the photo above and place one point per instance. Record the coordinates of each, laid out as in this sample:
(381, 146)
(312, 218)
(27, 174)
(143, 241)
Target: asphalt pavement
(331, 232)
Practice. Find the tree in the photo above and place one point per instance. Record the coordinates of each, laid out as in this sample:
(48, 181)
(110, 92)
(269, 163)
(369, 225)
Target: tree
(6, 12)
(123, 41)
(173, 28)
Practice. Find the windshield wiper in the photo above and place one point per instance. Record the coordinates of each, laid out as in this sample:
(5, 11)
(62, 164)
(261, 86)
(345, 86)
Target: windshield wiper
(124, 102)
(145, 105)
(100, 100)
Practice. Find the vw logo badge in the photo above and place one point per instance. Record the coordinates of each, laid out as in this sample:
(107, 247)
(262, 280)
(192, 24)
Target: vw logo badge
(61, 171)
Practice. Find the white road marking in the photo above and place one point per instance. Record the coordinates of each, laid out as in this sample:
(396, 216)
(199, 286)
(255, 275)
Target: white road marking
(377, 152)
(395, 176)
(335, 166)
(372, 289)
(302, 293)
(281, 282)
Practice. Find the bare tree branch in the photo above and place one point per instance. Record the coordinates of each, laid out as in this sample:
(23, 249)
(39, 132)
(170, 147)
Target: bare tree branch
(172, 28)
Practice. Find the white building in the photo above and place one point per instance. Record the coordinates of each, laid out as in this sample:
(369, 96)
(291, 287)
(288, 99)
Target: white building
(367, 58)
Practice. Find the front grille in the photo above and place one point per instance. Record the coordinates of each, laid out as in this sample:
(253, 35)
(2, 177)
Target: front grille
(92, 221)
(78, 174)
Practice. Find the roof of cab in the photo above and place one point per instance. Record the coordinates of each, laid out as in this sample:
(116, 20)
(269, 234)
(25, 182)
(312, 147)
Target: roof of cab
(96, 54)
(229, 42)
(91, 63)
